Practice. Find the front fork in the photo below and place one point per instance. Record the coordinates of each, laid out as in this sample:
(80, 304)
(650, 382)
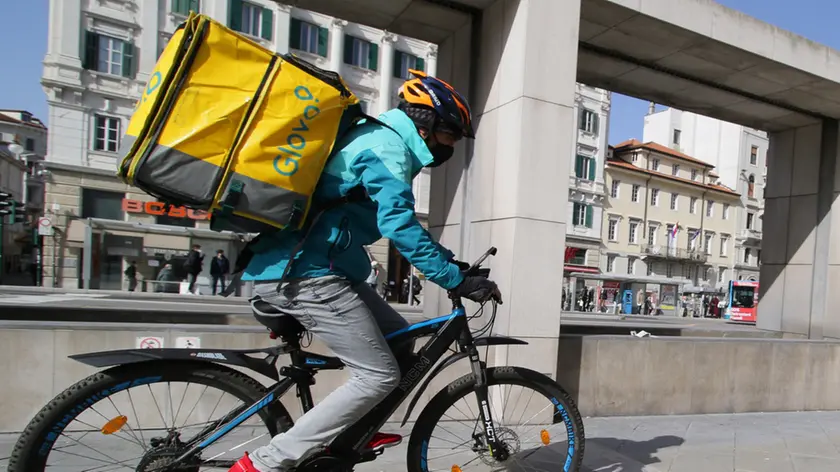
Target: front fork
(479, 367)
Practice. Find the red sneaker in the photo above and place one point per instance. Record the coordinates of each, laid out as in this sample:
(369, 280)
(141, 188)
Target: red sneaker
(243, 465)
(384, 440)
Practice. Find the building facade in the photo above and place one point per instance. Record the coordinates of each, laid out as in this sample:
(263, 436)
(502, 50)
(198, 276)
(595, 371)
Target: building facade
(668, 217)
(23, 144)
(98, 60)
(586, 181)
(739, 155)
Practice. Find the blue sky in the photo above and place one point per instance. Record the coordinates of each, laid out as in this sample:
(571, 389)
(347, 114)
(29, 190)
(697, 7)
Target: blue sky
(23, 43)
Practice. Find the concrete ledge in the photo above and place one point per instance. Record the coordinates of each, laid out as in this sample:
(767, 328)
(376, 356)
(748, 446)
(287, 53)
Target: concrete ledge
(622, 375)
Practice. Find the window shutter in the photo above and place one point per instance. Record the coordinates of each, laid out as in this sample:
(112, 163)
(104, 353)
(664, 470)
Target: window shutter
(578, 166)
(582, 119)
(348, 49)
(294, 34)
(592, 169)
(91, 50)
(575, 213)
(177, 6)
(235, 15)
(595, 118)
(397, 69)
(128, 60)
(267, 30)
(323, 40)
(420, 64)
(373, 57)
(588, 216)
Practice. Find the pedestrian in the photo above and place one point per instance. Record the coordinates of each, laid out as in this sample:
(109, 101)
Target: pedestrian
(219, 268)
(193, 266)
(131, 275)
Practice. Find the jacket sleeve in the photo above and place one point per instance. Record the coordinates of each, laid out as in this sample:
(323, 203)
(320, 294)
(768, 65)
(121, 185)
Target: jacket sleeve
(385, 172)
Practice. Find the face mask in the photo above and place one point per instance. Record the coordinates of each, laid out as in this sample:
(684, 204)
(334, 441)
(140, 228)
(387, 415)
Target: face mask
(440, 154)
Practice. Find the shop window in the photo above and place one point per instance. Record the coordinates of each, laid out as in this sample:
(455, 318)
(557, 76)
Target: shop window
(102, 204)
(175, 221)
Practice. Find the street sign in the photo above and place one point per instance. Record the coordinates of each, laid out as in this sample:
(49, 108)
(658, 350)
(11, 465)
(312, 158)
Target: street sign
(45, 227)
(149, 342)
(188, 342)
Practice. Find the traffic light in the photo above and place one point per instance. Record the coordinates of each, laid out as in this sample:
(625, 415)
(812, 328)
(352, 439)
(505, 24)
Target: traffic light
(8, 206)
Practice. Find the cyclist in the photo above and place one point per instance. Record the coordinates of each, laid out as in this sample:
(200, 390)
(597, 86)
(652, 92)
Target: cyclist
(325, 289)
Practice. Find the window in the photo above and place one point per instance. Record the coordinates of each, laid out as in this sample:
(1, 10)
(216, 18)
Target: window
(754, 155)
(724, 242)
(669, 270)
(30, 144)
(706, 271)
(307, 37)
(674, 198)
(675, 169)
(108, 55)
(360, 53)
(588, 121)
(654, 164)
(579, 258)
(751, 186)
(631, 265)
(721, 274)
(693, 174)
(692, 206)
(750, 218)
(635, 157)
(649, 270)
(251, 19)
(707, 244)
(612, 230)
(610, 263)
(614, 188)
(102, 204)
(758, 257)
(582, 215)
(654, 197)
(710, 208)
(634, 232)
(652, 230)
(183, 7)
(692, 239)
(725, 215)
(404, 61)
(634, 197)
(676, 137)
(585, 167)
(747, 254)
(106, 135)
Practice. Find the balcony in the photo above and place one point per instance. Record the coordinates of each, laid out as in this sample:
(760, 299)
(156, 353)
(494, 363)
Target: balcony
(585, 185)
(674, 253)
(749, 234)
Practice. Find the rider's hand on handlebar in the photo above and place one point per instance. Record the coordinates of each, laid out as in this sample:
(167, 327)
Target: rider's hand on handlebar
(478, 289)
(463, 266)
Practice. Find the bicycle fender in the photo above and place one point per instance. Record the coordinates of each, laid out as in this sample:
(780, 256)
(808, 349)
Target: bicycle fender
(222, 356)
(453, 358)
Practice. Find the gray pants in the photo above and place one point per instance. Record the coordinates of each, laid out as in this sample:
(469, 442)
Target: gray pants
(350, 319)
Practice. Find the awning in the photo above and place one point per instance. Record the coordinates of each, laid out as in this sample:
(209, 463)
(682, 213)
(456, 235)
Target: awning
(580, 268)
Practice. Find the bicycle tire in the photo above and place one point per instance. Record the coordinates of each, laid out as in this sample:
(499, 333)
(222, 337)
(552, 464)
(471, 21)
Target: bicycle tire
(28, 454)
(448, 396)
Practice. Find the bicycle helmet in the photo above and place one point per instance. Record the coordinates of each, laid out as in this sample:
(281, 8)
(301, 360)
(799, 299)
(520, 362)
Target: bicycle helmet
(435, 105)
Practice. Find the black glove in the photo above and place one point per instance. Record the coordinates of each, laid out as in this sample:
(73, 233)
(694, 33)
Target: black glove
(478, 289)
(461, 265)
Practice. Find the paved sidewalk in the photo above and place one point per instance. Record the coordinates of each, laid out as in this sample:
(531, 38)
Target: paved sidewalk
(772, 442)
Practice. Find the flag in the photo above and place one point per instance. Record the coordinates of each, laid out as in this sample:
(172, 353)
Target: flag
(676, 227)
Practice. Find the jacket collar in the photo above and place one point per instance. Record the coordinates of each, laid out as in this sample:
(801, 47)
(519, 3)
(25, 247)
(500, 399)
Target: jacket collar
(403, 125)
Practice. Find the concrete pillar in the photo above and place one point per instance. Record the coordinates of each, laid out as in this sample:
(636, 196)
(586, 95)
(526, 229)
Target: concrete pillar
(282, 21)
(517, 174)
(65, 37)
(150, 19)
(386, 67)
(431, 60)
(801, 243)
(337, 44)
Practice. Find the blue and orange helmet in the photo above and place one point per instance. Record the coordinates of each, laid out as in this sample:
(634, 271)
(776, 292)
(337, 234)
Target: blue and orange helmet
(452, 109)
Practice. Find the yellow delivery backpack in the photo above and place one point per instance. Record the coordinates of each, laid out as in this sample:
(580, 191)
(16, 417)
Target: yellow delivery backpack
(227, 126)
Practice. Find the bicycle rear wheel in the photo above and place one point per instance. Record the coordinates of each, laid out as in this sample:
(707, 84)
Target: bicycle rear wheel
(139, 416)
(449, 436)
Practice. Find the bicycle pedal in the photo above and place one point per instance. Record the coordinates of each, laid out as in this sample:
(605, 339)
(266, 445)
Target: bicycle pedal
(382, 441)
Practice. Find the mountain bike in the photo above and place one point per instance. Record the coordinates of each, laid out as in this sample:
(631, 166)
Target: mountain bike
(68, 433)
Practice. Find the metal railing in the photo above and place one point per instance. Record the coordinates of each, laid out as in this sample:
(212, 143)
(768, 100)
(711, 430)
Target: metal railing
(674, 253)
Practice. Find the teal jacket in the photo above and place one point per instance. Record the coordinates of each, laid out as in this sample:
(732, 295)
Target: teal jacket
(384, 161)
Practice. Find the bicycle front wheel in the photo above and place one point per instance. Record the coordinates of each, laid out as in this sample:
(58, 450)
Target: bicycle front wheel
(535, 419)
(142, 416)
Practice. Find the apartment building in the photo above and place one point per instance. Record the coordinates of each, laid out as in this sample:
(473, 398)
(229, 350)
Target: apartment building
(586, 181)
(668, 218)
(739, 154)
(99, 57)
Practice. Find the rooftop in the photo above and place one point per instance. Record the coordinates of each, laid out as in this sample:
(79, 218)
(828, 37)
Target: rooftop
(621, 163)
(631, 144)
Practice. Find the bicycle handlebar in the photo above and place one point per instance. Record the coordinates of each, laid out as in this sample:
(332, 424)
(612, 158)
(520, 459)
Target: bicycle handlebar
(475, 269)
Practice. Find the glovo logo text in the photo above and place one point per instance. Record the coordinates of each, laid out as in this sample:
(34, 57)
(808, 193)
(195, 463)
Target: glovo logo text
(151, 88)
(286, 163)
